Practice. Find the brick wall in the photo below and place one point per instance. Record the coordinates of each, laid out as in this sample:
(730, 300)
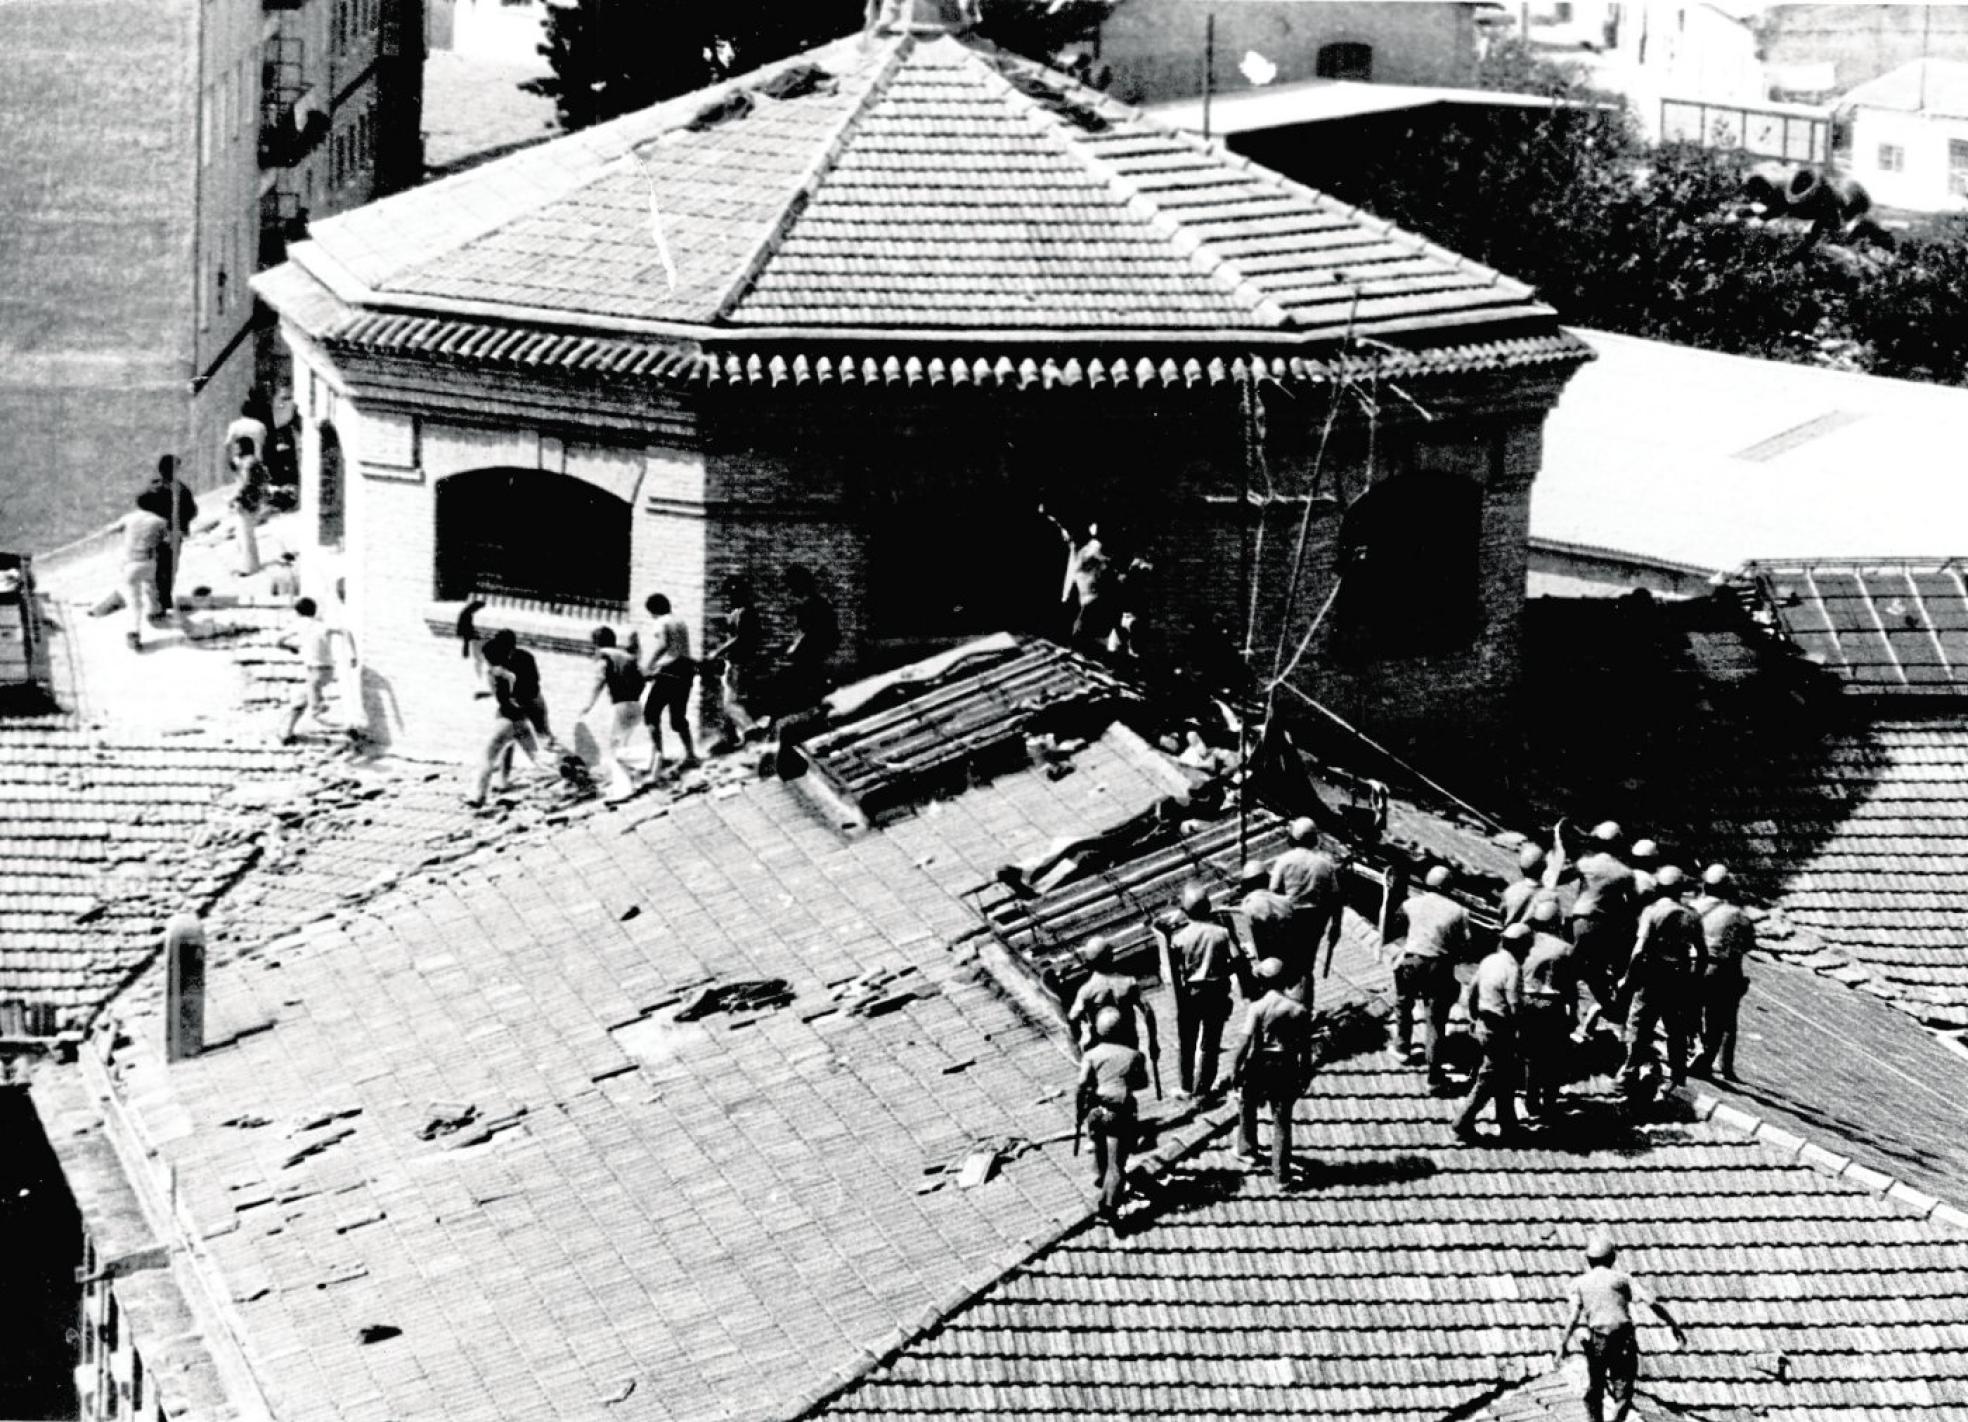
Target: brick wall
(1155, 47)
(919, 513)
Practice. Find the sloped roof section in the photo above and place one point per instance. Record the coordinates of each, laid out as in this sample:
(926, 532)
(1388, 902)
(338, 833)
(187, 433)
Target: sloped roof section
(101, 839)
(902, 185)
(1413, 1280)
(1935, 87)
(1885, 627)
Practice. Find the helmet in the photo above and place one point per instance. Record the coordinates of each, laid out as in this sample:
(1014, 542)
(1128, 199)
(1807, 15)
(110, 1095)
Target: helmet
(1599, 1247)
(1645, 849)
(1106, 1023)
(1716, 876)
(1607, 832)
(1530, 858)
(1302, 831)
(1517, 934)
(1270, 970)
(1195, 899)
(1254, 872)
(1544, 911)
(1438, 877)
(1099, 951)
(1669, 879)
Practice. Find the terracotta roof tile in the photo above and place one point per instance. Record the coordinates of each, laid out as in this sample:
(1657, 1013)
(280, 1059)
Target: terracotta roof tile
(926, 186)
(1413, 1280)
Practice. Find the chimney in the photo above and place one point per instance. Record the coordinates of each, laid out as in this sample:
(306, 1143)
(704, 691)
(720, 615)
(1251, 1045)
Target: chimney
(921, 17)
(184, 987)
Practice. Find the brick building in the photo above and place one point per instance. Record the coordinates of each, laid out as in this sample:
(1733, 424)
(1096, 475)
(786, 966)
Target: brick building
(1155, 48)
(160, 153)
(927, 289)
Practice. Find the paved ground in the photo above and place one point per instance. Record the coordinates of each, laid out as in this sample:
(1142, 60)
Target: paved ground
(475, 109)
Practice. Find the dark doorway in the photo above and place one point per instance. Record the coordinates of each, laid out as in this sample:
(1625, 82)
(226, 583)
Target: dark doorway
(40, 1247)
(1346, 61)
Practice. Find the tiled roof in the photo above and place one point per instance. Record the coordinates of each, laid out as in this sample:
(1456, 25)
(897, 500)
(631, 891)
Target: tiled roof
(913, 186)
(100, 840)
(1884, 626)
(905, 739)
(698, 1166)
(1413, 1278)
(1865, 843)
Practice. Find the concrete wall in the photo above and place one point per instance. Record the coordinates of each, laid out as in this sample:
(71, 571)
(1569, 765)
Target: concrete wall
(1861, 41)
(96, 238)
(1922, 183)
(1155, 47)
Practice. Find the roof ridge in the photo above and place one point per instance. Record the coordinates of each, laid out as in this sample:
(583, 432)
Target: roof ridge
(1801, 1150)
(1204, 260)
(767, 247)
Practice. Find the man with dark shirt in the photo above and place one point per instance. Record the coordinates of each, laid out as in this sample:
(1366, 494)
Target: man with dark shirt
(1202, 956)
(1273, 1066)
(1669, 959)
(738, 657)
(816, 637)
(1730, 937)
(1424, 975)
(168, 498)
(1111, 1073)
(1309, 877)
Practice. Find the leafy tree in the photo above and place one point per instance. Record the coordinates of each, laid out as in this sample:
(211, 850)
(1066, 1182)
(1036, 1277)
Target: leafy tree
(612, 57)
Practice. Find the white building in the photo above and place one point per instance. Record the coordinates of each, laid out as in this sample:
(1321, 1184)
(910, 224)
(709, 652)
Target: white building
(1908, 136)
(493, 31)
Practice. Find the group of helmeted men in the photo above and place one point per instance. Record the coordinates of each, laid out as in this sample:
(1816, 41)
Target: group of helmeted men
(1614, 937)
(1611, 937)
(1291, 908)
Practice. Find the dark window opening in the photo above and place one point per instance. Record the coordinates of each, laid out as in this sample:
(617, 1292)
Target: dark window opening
(1410, 550)
(958, 566)
(328, 501)
(535, 540)
(1346, 61)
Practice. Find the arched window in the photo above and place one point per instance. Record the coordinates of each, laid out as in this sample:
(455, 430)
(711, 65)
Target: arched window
(539, 539)
(1410, 551)
(328, 498)
(1346, 61)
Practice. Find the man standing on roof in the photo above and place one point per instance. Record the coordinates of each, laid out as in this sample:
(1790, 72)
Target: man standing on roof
(1493, 1002)
(1111, 1072)
(816, 637)
(1515, 905)
(1268, 918)
(1091, 587)
(1309, 877)
(1601, 1302)
(1670, 957)
(1550, 999)
(1730, 937)
(1274, 1065)
(1604, 913)
(1424, 974)
(1107, 986)
(1202, 958)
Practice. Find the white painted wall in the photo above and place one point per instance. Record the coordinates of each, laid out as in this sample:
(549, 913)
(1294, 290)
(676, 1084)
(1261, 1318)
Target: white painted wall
(1922, 184)
(498, 31)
